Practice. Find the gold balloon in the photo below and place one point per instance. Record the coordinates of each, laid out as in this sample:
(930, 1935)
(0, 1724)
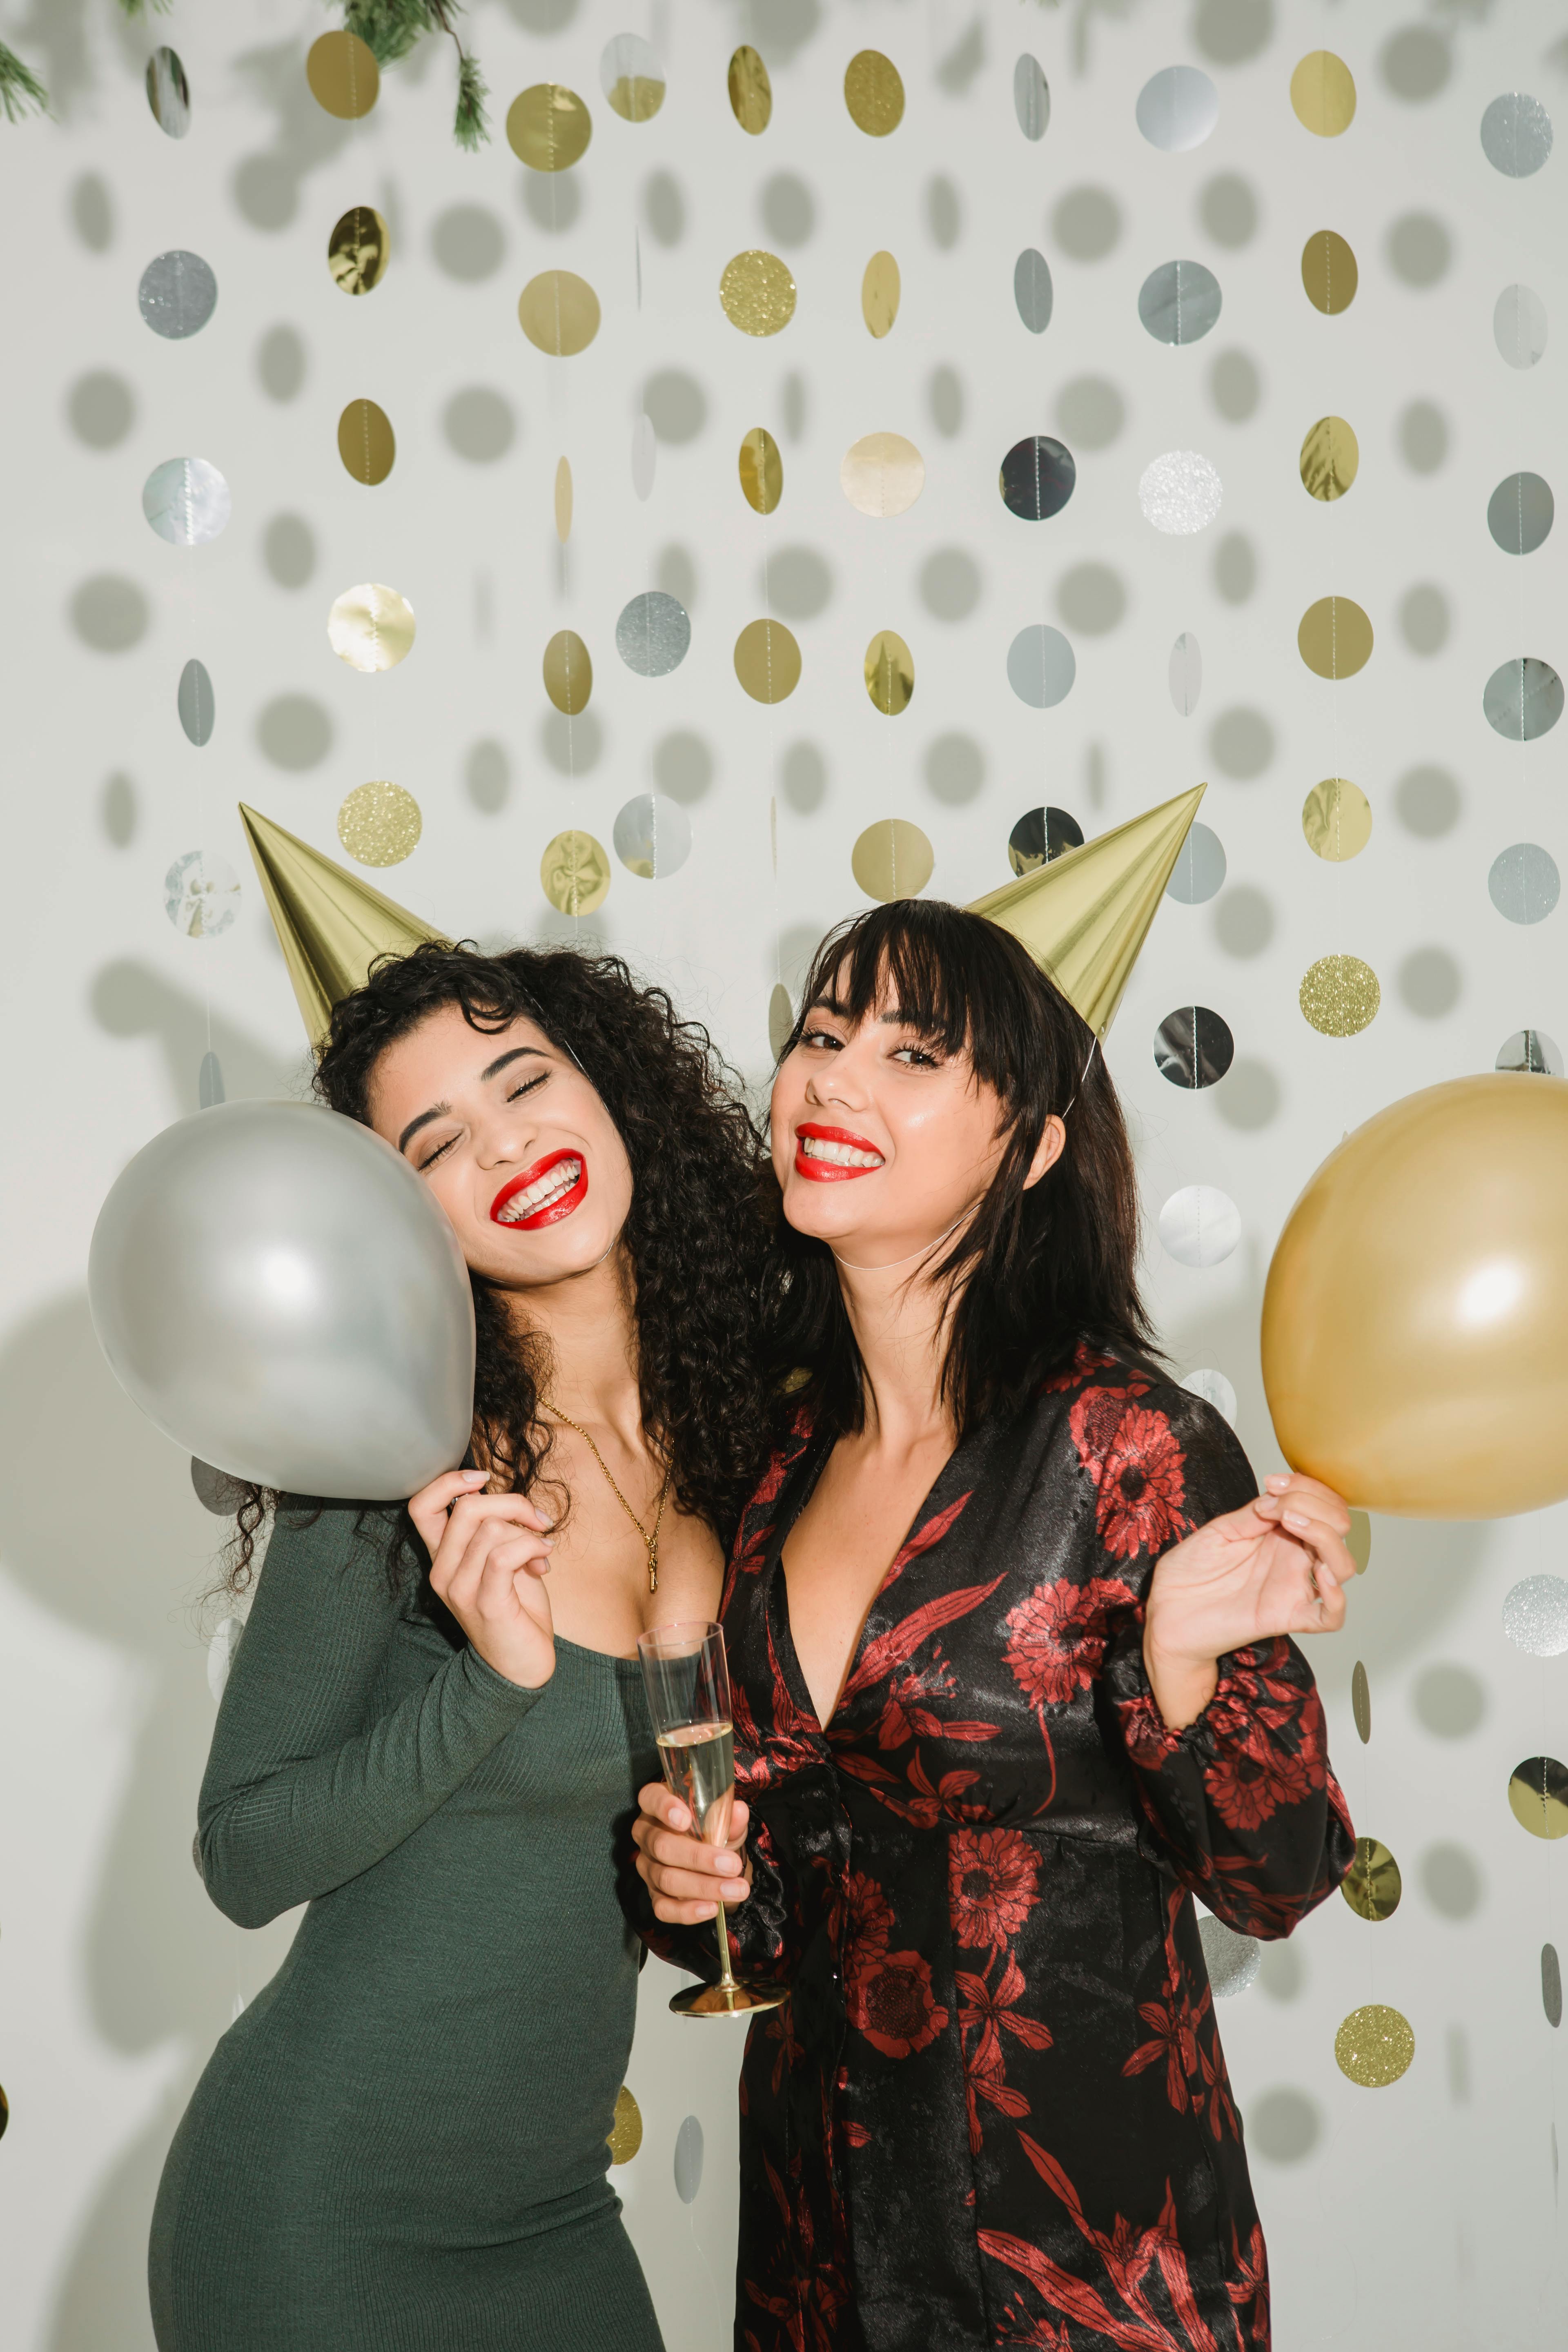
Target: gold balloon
(1413, 1351)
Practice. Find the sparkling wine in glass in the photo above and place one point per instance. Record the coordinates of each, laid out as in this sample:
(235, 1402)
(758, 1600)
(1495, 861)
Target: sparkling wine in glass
(686, 1678)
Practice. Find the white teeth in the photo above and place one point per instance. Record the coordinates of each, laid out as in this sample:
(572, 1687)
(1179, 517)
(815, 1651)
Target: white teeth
(842, 1155)
(550, 1188)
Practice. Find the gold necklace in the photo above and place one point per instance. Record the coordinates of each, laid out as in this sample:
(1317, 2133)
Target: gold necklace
(651, 1540)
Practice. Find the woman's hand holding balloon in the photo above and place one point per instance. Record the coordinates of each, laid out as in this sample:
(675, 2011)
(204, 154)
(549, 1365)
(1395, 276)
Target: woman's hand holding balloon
(686, 1879)
(488, 1556)
(1280, 1565)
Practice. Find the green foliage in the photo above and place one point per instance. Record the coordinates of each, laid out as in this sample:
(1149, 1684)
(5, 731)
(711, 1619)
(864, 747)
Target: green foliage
(471, 127)
(21, 91)
(390, 28)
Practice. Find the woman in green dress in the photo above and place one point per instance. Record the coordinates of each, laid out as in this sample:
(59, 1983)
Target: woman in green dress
(434, 1731)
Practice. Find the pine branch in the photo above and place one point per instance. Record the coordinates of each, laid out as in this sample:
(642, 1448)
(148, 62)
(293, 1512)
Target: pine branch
(471, 127)
(21, 91)
(389, 28)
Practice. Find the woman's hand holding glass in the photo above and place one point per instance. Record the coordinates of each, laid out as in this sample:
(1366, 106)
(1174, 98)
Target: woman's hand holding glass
(1279, 1566)
(686, 1879)
(488, 1554)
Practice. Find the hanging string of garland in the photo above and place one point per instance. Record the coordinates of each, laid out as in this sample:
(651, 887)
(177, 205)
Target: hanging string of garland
(389, 30)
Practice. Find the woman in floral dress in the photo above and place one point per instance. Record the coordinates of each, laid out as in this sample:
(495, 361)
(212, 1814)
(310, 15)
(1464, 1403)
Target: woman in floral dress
(1009, 1628)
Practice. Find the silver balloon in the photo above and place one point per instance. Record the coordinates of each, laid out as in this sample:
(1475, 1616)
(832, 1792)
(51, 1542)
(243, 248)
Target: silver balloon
(275, 1288)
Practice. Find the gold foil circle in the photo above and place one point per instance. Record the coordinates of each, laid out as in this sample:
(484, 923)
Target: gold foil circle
(890, 671)
(1372, 1885)
(548, 127)
(1330, 456)
(880, 291)
(1374, 2046)
(751, 91)
(380, 824)
(632, 79)
(1329, 272)
(1340, 995)
(345, 78)
(892, 859)
(758, 293)
(767, 661)
(563, 501)
(575, 874)
(1358, 1543)
(761, 470)
(882, 474)
(366, 443)
(559, 314)
(625, 2135)
(1336, 817)
(1538, 1796)
(781, 1020)
(1322, 93)
(568, 672)
(1360, 1702)
(874, 93)
(358, 250)
(1334, 638)
(370, 627)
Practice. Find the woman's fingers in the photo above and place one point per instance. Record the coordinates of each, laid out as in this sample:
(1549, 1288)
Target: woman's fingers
(1324, 1539)
(1298, 1492)
(429, 1507)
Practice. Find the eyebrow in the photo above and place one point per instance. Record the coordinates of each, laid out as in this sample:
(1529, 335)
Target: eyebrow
(896, 1017)
(444, 1111)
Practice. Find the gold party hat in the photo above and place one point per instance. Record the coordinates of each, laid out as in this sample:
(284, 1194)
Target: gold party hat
(330, 926)
(1085, 916)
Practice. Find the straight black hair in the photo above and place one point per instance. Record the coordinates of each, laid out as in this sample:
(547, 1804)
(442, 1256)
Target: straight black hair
(1039, 1270)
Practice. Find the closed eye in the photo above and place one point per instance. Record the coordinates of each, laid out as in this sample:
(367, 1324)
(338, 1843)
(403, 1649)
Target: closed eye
(527, 1087)
(439, 1153)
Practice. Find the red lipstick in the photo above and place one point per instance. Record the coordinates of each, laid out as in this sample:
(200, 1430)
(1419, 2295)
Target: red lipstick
(554, 1206)
(830, 1172)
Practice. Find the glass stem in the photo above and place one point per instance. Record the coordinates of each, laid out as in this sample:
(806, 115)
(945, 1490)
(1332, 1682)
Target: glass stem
(722, 1929)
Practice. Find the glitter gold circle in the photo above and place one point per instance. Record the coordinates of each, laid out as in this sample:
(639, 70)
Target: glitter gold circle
(366, 443)
(575, 874)
(879, 291)
(1538, 1796)
(767, 661)
(889, 672)
(548, 127)
(758, 293)
(882, 474)
(625, 2135)
(568, 672)
(892, 859)
(559, 314)
(1336, 817)
(1372, 1885)
(380, 824)
(358, 250)
(751, 91)
(1329, 272)
(1374, 2046)
(1334, 638)
(1322, 93)
(345, 78)
(761, 470)
(874, 93)
(370, 627)
(1330, 456)
(1340, 995)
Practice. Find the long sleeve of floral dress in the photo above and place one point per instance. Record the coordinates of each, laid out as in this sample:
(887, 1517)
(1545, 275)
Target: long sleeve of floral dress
(995, 2110)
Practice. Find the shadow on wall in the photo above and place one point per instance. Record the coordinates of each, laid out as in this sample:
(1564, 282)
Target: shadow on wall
(160, 1963)
(132, 999)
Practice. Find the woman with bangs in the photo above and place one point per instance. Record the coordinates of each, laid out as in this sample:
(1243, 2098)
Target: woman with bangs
(1010, 1630)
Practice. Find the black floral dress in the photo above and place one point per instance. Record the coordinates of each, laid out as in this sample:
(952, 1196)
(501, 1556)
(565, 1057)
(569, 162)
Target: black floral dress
(995, 2110)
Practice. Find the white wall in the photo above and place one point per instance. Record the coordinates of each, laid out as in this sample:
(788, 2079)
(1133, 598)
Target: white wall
(1420, 2216)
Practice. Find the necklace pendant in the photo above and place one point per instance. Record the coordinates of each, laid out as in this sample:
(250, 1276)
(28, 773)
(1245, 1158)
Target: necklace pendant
(653, 1566)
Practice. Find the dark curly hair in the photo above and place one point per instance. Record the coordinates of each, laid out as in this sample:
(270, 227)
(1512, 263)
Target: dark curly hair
(696, 1231)
(1037, 1271)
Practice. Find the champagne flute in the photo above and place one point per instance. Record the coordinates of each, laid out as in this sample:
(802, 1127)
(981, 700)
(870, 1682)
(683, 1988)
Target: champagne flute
(686, 1678)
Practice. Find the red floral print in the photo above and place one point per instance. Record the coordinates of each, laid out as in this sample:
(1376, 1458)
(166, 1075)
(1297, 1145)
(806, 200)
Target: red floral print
(993, 1875)
(867, 1915)
(987, 2011)
(1059, 1635)
(890, 2001)
(1252, 1779)
(1142, 1486)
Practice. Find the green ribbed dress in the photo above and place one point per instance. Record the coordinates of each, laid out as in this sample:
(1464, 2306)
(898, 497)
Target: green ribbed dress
(400, 2146)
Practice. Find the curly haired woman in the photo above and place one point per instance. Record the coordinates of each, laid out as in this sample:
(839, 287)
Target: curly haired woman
(1009, 1628)
(400, 2147)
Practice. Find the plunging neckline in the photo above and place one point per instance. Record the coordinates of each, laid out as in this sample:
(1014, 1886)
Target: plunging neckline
(789, 1656)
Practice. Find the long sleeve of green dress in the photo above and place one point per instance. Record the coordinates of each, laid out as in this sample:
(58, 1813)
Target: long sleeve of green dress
(400, 2145)
(305, 1786)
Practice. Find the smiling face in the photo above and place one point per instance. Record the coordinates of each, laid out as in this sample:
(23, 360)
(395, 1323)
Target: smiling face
(882, 1141)
(514, 1141)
